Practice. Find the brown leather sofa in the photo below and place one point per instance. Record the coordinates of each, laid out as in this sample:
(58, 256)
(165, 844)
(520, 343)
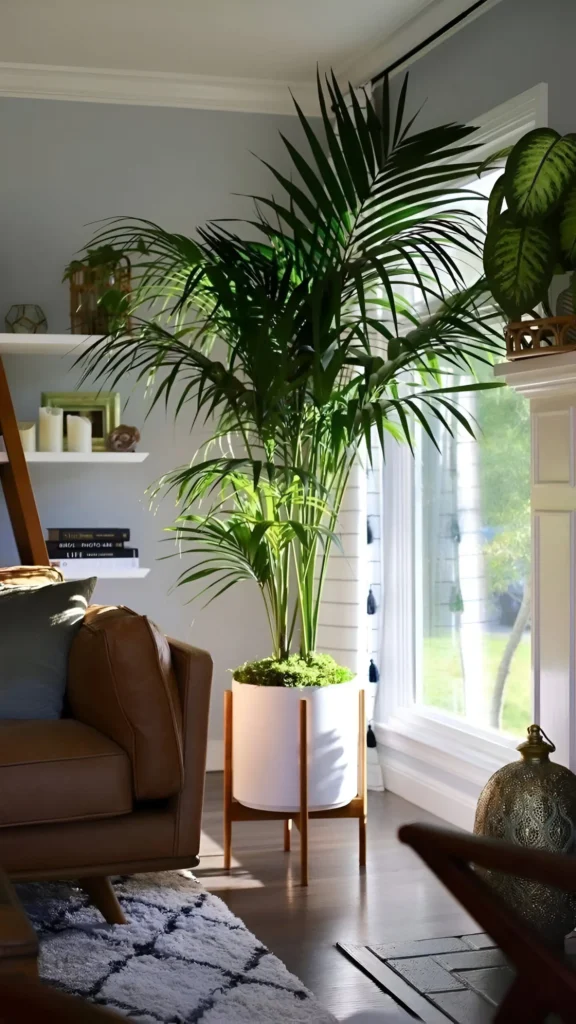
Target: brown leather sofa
(116, 786)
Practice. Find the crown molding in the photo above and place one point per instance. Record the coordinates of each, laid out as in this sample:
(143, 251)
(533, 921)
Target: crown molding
(212, 92)
(437, 13)
(155, 89)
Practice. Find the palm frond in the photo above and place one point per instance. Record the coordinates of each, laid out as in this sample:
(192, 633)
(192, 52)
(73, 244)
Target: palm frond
(338, 312)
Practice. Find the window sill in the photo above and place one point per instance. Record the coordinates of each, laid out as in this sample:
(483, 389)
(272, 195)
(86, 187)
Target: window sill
(473, 753)
(438, 764)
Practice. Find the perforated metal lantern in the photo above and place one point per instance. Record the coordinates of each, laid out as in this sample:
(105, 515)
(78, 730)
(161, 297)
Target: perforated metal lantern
(532, 802)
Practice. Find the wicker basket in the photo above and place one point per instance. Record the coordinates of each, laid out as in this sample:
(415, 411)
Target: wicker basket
(540, 337)
(87, 286)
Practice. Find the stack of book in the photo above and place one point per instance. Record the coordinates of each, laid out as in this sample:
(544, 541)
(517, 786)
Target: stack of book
(94, 546)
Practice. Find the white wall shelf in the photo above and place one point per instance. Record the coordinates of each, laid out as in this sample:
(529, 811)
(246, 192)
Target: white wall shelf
(45, 344)
(72, 345)
(88, 458)
(83, 571)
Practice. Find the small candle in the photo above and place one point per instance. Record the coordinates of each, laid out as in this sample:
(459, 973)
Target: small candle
(27, 433)
(51, 429)
(79, 433)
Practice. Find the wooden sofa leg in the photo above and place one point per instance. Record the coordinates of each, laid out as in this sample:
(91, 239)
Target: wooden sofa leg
(102, 895)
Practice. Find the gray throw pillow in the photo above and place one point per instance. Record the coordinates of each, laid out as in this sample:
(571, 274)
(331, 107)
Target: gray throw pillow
(37, 626)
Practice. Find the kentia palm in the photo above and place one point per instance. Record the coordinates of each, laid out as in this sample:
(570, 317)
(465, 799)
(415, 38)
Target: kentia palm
(336, 315)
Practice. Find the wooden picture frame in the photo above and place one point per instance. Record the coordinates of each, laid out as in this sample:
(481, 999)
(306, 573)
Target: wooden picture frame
(101, 407)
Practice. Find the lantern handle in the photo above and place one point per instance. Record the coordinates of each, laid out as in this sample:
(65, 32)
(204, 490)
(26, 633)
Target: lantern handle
(538, 746)
(553, 745)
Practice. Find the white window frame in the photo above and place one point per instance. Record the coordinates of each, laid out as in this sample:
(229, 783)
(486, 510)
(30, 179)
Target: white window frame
(432, 759)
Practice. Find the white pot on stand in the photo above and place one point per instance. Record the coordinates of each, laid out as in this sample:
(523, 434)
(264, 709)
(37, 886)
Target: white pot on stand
(266, 750)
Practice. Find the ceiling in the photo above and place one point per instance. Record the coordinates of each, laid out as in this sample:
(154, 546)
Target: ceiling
(258, 45)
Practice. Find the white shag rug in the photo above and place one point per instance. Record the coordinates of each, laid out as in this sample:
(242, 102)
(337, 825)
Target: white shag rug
(183, 958)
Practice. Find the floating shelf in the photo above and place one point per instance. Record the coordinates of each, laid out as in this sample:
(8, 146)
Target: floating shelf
(45, 344)
(72, 345)
(82, 571)
(94, 458)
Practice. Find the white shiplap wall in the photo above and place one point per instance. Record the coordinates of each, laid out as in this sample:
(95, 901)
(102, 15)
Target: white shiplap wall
(342, 625)
(345, 630)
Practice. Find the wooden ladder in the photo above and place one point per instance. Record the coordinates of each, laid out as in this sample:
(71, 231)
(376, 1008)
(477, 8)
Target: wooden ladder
(17, 487)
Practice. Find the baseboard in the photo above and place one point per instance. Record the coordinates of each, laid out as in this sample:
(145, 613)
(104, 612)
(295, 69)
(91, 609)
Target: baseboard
(215, 756)
(440, 799)
(373, 771)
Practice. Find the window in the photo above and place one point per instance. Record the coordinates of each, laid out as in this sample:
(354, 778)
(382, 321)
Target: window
(455, 663)
(472, 567)
(472, 558)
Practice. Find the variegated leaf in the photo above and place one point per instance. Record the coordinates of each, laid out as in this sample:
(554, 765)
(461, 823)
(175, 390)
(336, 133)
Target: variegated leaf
(519, 262)
(496, 200)
(568, 229)
(540, 170)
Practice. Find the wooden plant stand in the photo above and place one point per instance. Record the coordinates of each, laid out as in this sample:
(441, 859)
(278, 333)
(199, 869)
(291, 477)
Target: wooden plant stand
(235, 811)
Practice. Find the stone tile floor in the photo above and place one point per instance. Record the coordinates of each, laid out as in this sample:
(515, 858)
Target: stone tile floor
(460, 978)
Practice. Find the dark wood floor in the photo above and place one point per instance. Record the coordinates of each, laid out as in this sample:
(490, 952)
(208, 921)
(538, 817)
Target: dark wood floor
(396, 898)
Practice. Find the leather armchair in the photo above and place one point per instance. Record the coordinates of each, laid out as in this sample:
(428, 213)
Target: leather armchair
(116, 786)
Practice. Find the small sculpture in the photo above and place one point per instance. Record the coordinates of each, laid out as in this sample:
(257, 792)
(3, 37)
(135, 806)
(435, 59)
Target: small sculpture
(123, 439)
(26, 318)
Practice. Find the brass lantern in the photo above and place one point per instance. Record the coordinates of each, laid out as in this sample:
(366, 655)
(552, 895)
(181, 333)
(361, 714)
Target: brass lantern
(532, 802)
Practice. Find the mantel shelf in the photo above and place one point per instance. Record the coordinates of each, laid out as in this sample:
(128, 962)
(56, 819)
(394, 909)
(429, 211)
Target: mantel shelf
(540, 376)
(45, 344)
(88, 458)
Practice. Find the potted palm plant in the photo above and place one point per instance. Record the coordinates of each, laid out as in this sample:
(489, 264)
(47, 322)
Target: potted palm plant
(335, 318)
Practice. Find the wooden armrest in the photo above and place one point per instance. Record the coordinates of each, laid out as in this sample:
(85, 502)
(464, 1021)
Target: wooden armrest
(555, 869)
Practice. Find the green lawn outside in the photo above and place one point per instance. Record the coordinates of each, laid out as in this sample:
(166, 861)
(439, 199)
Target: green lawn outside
(442, 680)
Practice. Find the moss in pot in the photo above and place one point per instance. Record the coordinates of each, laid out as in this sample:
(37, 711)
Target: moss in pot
(294, 671)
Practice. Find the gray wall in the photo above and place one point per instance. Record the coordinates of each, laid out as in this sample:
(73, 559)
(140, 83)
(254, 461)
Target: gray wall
(63, 166)
(511, 48)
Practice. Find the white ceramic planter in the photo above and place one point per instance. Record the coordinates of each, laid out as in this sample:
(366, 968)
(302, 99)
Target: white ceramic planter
(266, 755)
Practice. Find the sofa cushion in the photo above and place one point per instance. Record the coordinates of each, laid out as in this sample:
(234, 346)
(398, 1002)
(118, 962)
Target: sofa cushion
(121, 681)
(60, 771)
(30, 575)
(36, 629)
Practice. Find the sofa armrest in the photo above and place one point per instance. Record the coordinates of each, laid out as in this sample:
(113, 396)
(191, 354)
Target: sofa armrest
(193, 670)
(121, 681)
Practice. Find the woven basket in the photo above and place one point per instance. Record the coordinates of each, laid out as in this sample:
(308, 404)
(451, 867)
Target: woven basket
(87, 286)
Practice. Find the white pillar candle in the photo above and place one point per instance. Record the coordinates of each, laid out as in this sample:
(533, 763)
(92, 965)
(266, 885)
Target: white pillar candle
(27, 433)
(79, 433)
(51, 429)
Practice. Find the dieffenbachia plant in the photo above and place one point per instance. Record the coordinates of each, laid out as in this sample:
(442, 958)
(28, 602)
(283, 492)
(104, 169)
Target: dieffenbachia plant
(532, 222)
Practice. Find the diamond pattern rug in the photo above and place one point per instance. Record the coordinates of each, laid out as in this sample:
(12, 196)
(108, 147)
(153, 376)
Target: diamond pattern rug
(183, 957)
